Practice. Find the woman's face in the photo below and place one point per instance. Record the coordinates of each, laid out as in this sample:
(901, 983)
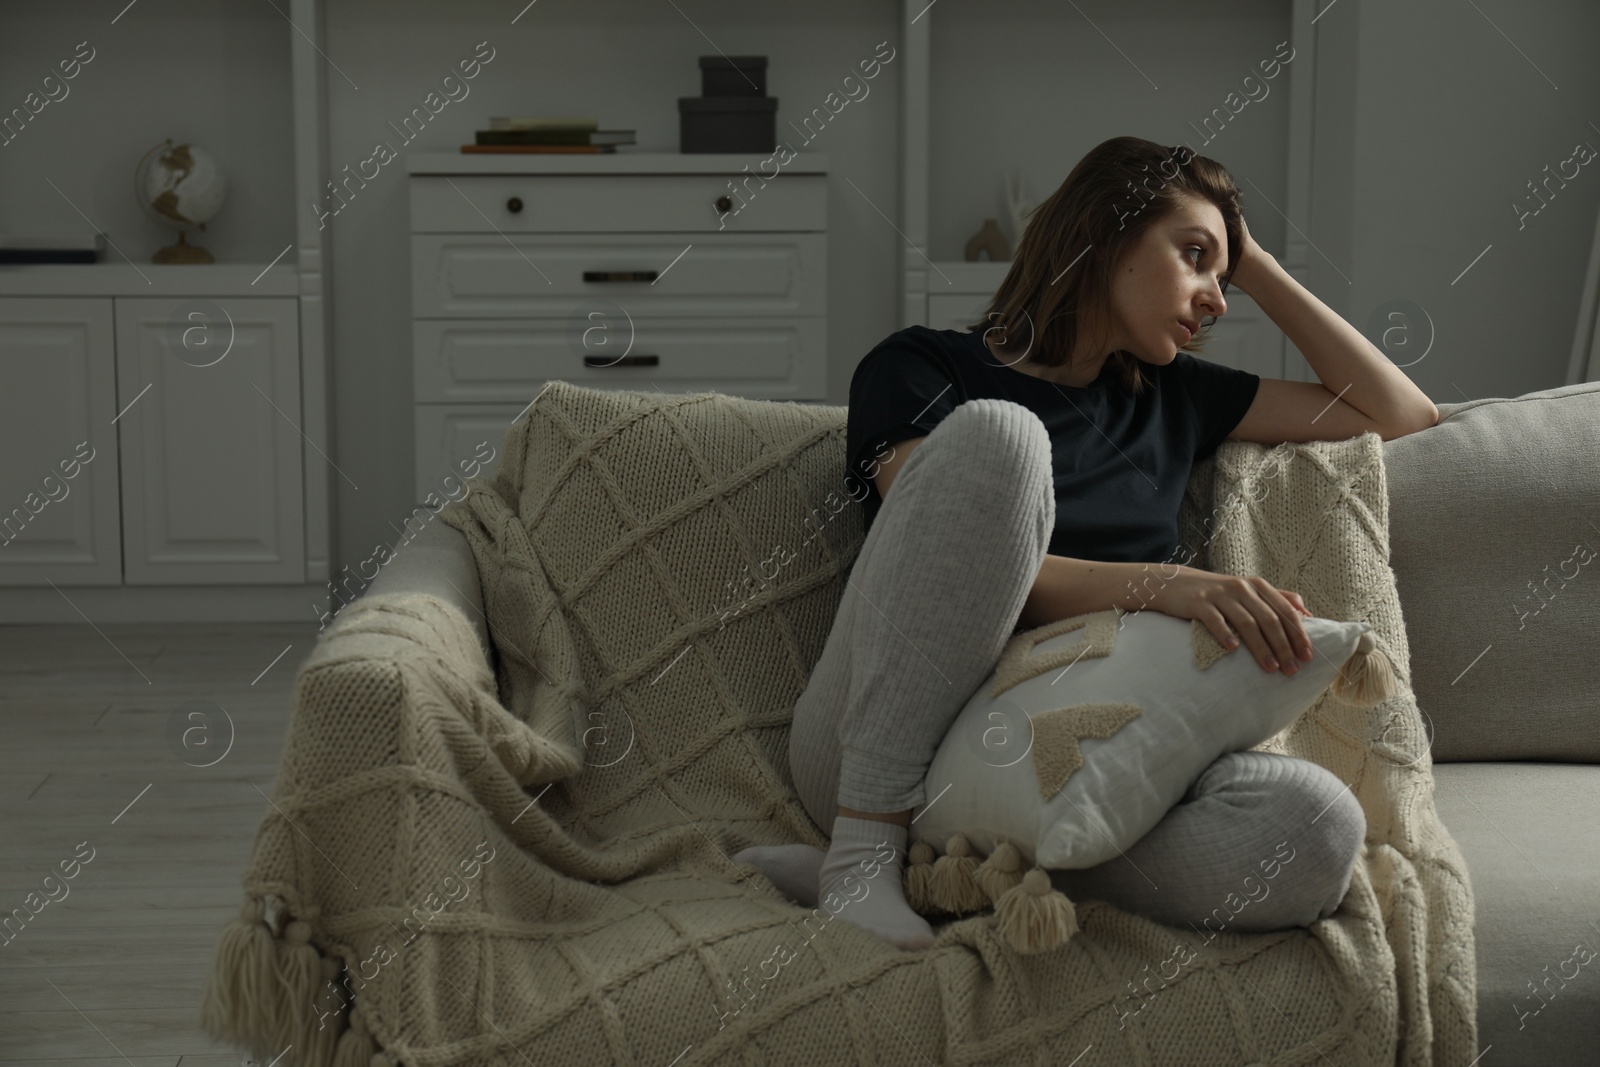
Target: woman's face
(1170, 276)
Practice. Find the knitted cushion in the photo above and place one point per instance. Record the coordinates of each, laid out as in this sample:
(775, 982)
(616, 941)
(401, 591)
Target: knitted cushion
(1089, 729)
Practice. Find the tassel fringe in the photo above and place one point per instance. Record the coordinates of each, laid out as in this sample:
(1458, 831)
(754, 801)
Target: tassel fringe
(1367, 678)
(356, 1047)
(1030, 913)
(1034, 916)
(270, 990)
(325, 1030)
(241, 997)
(299, 972)
(1002, 871)
(953, 884)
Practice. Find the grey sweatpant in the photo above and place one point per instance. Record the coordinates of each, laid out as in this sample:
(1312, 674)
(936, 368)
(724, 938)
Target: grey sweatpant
(931, 600)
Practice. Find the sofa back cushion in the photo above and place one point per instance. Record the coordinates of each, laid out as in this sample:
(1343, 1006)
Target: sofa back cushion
(1494, 530)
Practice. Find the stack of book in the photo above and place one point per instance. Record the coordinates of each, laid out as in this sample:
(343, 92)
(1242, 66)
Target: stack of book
(541, 133)
(51, 247)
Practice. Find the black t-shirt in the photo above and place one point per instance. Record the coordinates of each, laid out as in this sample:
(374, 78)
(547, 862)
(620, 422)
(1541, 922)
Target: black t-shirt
(1120, 464)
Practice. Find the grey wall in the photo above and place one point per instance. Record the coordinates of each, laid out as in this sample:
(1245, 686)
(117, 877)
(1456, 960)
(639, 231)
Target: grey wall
(1432, 120)
(1032, 85)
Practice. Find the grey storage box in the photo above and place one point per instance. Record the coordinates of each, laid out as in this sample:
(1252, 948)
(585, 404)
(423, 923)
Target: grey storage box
(727, 123)
(733, 75)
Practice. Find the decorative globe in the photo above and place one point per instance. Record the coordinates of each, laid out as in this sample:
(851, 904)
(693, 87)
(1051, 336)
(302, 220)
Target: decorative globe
(180, 186)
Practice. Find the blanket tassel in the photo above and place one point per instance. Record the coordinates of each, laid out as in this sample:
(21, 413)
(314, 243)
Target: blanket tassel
(324, 1041)
(915, 881)
(356, 1046)
(300, 985)
(269, 993)
(1034, 916)
(1367, 678)
(953, 884)
(241, 994)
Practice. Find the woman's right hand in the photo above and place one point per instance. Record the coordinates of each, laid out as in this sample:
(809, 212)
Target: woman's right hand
(1267, 619)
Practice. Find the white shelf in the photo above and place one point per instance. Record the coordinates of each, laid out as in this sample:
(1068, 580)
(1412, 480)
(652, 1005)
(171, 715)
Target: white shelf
(613, 163)
(118, 278)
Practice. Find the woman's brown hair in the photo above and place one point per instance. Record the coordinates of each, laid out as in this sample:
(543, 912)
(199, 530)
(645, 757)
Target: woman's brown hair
(1072, 242)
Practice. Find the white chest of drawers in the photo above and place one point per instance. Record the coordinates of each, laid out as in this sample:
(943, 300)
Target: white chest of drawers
(683, 273)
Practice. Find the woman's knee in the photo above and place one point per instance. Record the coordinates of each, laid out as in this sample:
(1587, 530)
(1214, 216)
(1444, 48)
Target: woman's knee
(995, 454)
(1003, 425)
(1316, 834)
(1000, 435)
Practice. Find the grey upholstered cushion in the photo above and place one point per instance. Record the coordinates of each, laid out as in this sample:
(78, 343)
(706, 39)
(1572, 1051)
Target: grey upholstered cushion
(1526, 832)
(1494, 520)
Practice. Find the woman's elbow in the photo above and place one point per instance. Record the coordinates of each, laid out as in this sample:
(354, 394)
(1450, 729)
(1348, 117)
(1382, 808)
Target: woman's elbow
(1428, 420)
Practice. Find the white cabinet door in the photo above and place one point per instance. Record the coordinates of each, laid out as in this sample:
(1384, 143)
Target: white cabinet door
(211, 443)
(58, 445)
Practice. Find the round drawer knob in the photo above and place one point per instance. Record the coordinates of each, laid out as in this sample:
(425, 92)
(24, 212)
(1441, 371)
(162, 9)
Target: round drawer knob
(514, 205)
(724, 204)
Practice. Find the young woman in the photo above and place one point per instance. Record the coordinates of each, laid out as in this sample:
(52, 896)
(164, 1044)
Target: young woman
(1037, 460)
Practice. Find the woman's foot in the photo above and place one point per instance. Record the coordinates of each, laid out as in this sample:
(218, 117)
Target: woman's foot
(794, 869)
(860, 880)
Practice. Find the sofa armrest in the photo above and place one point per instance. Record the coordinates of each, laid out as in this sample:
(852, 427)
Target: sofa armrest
(438, 561)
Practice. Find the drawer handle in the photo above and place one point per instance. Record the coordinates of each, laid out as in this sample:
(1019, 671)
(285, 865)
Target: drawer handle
(623, 361)
(514, 205)
(619, 275)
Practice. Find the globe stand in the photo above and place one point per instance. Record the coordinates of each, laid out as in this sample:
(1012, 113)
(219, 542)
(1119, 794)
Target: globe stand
(183, 252)
(186, 192)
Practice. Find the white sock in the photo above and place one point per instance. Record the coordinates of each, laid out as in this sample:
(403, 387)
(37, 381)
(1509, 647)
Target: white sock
(792, 868)
(862, 875)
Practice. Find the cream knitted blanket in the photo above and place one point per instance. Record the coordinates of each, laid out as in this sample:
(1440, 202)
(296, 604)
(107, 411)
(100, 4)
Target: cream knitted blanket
(530, 866)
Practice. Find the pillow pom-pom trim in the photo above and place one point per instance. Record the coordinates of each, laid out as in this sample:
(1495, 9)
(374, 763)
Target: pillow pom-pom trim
(1367, 677)
(1000, 872)
(1034, 916)
(953, 884)
(1030, 913)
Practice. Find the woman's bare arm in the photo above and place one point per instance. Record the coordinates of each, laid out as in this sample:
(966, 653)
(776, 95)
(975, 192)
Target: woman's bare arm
(1067, 586)
(1347, 364)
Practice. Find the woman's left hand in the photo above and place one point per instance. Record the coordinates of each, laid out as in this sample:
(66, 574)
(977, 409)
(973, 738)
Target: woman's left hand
(1252, 259)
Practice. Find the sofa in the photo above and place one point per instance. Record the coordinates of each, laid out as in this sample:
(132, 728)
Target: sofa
(1493, 514)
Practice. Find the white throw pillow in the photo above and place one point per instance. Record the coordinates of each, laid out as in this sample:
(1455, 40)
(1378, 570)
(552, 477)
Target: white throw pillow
(1091, 728)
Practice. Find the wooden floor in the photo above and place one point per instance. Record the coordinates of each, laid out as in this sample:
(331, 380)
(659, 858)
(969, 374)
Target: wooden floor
(106, 737)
